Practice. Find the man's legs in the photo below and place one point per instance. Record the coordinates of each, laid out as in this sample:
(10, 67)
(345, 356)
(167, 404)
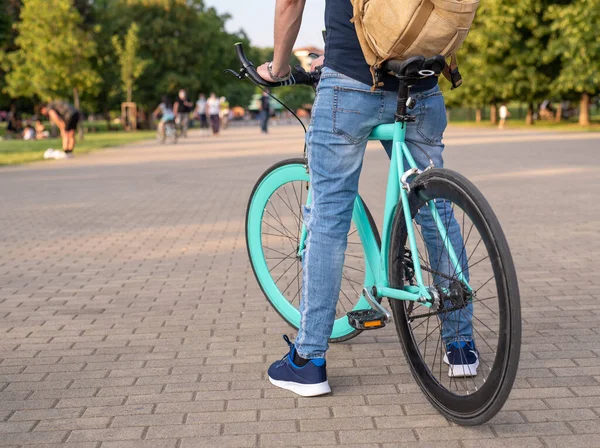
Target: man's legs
(344, 113)
(264, 121)
(70, 140)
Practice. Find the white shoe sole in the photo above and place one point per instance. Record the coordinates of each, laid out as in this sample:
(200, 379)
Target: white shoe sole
(305, 390)
(461, 370)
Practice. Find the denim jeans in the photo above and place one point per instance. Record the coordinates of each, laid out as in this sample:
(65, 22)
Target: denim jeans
(264, 121)
(344, 114)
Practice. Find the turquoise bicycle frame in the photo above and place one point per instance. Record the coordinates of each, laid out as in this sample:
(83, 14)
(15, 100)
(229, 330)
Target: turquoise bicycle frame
(376, 258)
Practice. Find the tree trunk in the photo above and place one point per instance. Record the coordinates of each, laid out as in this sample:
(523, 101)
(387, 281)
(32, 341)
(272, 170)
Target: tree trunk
(78, 107)
(129, 94)
(558, 115)
(529, 117)
(584, 110)
(478, 115)
(494, 114)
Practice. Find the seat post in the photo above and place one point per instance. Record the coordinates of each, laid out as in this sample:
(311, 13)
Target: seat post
(402, 115)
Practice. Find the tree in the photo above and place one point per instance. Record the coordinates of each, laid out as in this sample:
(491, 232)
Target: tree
(53, 56)
(296, 97)
(9, 15)
(132, 66)
(187, 43)
(575, 42)
(482, 63)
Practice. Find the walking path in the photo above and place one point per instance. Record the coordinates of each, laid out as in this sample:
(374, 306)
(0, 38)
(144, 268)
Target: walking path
(129, 315)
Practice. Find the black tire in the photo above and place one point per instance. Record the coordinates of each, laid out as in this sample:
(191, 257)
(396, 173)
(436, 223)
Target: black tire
(488, 399)
(300, 161)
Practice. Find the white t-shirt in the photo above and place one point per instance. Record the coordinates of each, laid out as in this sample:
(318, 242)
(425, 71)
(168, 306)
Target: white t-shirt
(503, 112)
(201, 105)
(214, 106)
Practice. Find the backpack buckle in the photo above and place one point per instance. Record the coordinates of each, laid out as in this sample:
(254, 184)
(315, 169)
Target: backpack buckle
(455, 78)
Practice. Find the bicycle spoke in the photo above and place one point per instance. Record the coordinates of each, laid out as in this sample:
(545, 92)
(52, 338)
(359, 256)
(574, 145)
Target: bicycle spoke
(284, 272)
(354, 269)
(287, 232)
(270, 270)
(275, 250)
(278, 219)
(290, 283)
(350, 283)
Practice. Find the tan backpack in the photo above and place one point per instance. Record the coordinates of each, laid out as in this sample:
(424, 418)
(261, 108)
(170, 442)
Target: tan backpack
(399, 29)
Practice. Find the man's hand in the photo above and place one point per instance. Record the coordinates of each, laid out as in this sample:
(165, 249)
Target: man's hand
(317, 63)
(263, 71)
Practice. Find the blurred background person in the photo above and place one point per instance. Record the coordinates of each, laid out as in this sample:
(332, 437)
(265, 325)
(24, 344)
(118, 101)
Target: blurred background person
(224, 112)
(213, 109)
(265, 112)
(182, 109)
(66, 118)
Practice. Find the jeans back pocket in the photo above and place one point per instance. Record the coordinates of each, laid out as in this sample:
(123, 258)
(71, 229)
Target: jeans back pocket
(356, 112)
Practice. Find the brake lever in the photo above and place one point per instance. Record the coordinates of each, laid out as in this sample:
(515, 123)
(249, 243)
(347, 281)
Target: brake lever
(240, 75)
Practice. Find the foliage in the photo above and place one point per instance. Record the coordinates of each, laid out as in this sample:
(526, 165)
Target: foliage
(187, 43)
(575, 41)
(295, 97)
(53, 56)
(132, 66)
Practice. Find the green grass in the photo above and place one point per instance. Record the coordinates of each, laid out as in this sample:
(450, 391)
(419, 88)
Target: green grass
(18, 151)
(565, 126)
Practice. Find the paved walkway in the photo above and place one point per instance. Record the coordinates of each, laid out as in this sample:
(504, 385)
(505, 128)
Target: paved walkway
(129, 315)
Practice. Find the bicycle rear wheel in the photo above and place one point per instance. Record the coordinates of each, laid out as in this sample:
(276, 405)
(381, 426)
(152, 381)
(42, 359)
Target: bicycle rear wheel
(489, 315)
(273, 228)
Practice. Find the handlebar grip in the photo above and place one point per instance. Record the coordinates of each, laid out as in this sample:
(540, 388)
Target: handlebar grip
(298, 76)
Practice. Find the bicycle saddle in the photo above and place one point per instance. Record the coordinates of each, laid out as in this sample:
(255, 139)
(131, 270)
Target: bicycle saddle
(413, 67)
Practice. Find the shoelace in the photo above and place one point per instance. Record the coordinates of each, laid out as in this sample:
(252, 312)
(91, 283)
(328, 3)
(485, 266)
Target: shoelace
(290, 345)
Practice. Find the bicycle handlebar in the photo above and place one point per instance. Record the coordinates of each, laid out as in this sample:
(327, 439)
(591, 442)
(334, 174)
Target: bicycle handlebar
(298, 75)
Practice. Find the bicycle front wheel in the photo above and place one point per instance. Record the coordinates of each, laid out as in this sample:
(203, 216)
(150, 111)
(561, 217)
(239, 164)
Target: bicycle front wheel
(273, 229)
(464, 350)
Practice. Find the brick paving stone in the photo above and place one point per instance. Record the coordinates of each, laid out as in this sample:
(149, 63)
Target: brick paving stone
(130, 317)
(580, 441)
(111, 411)
(221, 441)
(46, 414)
(372, 436)
(560, 415)
(179, 431)
(6, 427)
(125, 421)
(308, 439)
(73, 424)
(35, 437)
(163, 443)
(532, 429)
(521, 442)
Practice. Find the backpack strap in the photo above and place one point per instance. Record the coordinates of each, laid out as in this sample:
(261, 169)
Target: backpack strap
(415, 27)
(451, 72)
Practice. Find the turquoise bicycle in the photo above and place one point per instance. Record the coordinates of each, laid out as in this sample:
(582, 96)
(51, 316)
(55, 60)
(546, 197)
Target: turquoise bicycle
(428, 285)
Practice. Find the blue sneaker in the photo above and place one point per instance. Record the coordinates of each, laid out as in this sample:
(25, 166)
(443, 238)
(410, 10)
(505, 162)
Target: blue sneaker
(462, 359)
(308, 381)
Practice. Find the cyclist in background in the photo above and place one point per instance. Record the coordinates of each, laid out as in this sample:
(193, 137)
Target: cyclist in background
(345, 112)
(165, 111)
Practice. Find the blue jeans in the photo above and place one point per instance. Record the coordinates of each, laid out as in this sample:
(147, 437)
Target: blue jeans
(344, 114)
(264, 121)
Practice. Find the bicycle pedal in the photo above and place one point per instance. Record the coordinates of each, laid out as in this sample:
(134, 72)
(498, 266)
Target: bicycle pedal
(366, 319)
